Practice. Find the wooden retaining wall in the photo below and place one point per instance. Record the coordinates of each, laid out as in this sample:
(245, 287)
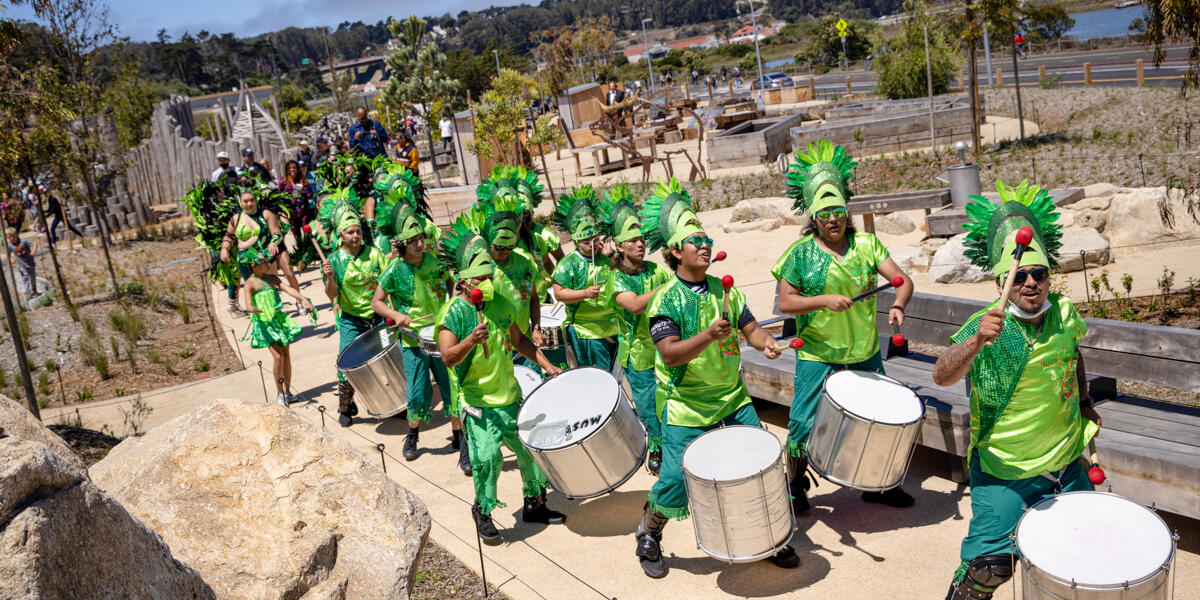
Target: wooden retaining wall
(741, 146)
(889, 132)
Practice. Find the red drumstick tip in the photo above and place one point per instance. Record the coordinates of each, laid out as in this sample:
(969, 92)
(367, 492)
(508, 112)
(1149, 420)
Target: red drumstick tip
(898, 339)
(307, 230)
(1024, 236)
(390, 321)
(720, 256)
(796, 343)
(897, 281)
(1096, 475)
(476, 296)
(727, 282)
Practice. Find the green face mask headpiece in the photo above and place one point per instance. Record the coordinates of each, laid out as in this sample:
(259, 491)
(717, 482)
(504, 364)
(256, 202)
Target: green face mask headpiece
(575, 212)
(667, 216)
(407, 223)
(991, 229)
(346, 220)
(819, 178)
(463, 251)
(621, 220)
(500, 230)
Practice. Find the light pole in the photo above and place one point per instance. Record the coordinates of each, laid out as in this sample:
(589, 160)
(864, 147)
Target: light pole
(496, 53)
(646, 41)
(757, 55)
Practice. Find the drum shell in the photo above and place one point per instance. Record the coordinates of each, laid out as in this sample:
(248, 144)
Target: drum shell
(428, 345)
(859, 453)
(599, 463)
(742, 520)
(379, 384)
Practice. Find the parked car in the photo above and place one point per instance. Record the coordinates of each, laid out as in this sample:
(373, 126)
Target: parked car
(773, 80)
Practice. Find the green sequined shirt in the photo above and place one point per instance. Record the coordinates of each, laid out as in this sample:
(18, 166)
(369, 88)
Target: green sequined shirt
(635, 349)
(593, 319)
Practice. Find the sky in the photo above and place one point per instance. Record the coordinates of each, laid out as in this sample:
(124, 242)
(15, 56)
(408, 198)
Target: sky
(140, 20)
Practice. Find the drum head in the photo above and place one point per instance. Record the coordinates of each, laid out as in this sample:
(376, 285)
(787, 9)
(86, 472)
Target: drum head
(1094, 538)
(426, 333)
(365, 347)
(567, 409)
(875, 397)
(527, 378)
(731, 453)
(555, 318)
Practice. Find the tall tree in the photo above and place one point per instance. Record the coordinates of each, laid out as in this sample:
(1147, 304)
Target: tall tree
(1178, 21)
(1005, 20)
(501, 112)
(418, 84)
(900, 67)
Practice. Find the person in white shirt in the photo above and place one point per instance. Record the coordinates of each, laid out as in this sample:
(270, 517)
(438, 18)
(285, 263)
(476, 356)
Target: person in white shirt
(223, 160)
(447, 128)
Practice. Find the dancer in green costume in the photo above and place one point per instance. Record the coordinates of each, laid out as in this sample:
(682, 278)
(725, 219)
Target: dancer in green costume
(818, 274)
(538, 243)
(212, 204)
(579, 281)
(1031, 415)
(698, 362)
(416, 285)
(351, 275)
(631, 283)
(270, 327)
(473, 344)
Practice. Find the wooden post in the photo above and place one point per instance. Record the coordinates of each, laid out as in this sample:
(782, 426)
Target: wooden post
(730, 80)
(1141, 74)
(812, 88)
(1042, 74)
(962, 80)
(708, 82)
(849, 89)
(999, 77)
(1087, 74)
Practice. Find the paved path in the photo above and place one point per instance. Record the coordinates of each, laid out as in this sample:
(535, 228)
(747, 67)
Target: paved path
(848, 549)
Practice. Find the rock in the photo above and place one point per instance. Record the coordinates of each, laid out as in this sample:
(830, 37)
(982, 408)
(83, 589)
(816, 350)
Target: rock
(1096, 203)
(62, 537)
(894, 224)
(757, 225)
(1099, 189)
(1066, 218)
(266, 505)
(909, 257)
(949, 265)
(1134, 220)
(18, 422)
(930, 246)
(1090, 219)
(766, 208)
(1088, 241)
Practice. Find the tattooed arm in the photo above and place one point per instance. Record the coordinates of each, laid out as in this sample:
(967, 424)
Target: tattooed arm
(956, 361)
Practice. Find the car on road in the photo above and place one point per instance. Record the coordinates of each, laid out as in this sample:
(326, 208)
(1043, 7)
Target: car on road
(773, 80)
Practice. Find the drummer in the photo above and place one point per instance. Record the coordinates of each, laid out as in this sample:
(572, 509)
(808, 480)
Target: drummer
(473, 344)
(351, 275)
(1031, 415)
(698, 362)
(632, 283)
(416, 285)
(818, 274)
(515, 273)
(579, 281)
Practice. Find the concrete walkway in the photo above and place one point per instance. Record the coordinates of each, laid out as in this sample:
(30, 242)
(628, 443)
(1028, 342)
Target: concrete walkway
(848, 549)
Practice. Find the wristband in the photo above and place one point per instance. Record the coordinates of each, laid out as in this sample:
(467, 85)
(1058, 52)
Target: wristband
(276, 238)
(898, 307)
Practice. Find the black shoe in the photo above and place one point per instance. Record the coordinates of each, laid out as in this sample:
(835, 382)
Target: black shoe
(464, 459)
(536, 511)
(410, 444)
(895, 498)
(484, 526)
(800, 504)
(344, 419)
(353, 409)
(456, 439)
(649, 554)
(654, 462)
(785, 558)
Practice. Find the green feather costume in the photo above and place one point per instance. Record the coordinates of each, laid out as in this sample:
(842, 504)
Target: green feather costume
(575, 212)
(819, 177)
(212, 205)
(667, 217)
(621, 218)
(463, 250)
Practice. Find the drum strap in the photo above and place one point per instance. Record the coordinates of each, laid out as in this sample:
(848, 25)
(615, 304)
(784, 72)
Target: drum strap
(1057, 478)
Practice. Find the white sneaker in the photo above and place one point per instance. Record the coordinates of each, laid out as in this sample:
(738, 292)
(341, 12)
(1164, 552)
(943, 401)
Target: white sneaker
(281, 400)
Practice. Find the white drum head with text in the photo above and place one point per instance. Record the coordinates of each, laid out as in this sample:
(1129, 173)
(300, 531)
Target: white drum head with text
(568, 408)
(731, 453)
(873, 396)
(527, 378)
(1094, 538)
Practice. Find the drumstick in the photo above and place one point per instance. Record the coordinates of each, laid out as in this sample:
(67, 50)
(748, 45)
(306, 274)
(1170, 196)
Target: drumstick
(727, 283)
(896, 282)
(1024, 236)
(308, 230)
(477, 300)
(1095, 474)
(897, 337)
(719, 257)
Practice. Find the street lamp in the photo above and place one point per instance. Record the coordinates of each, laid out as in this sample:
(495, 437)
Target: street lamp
(646, 41)
(757, 55)
(496, 53)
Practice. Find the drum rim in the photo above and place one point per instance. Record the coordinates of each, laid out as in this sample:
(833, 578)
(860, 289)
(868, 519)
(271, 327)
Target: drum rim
(825, 392)
(740, 479)
(371, 331)
(1027, 564)
(607, 417)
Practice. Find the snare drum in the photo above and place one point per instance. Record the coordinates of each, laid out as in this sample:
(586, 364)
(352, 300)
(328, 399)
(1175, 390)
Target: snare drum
(581, 430)
(737, 489)
(428, 343)
(552, 326)
(372, 364)
(865, 430)
(528, 379)
(1093, 546)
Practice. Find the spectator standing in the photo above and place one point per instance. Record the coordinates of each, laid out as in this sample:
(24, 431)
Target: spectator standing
(223, 167)
(21, 254)
(695, 76)
(446, 127)
(322, 153)
(13, 211)
(305, 155)
(253, 168)
(367, 135)
(1019, 42)
(55, 209)
(407, 154)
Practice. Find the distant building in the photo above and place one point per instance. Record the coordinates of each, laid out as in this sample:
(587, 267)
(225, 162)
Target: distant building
(746, 33)
(636, 52)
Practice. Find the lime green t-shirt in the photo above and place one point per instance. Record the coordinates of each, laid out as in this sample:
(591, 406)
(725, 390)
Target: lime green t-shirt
(416, 291)
(479, 380)
(635, 349)
(710, 387)
(593, 319)
(1041, 429)
(514, 286)
(841, 338)
(357, 278)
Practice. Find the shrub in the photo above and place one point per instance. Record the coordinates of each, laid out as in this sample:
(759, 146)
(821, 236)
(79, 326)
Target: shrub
(132, 287)
(44, 383)
(900, 62)
(183, 309)
(93, 356)
(202, 365)
(83, 394)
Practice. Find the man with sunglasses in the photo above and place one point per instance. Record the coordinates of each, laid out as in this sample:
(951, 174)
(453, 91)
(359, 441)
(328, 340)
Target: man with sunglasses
(1031, 417)
(579, 281)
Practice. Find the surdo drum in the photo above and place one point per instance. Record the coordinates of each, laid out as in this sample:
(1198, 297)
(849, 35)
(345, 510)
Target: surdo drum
(864, 430)
(581, 430)
(372, 364)
(428, 343)
(1093, 546)
(738, 493)
(528, 379)
(552, 326)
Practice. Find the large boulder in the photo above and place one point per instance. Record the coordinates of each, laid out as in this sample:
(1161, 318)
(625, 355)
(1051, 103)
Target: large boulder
(17, 421)
(266, 505)
(62, 537)
(1082, 247)
(950, 265)
(755, 225)
(1099, 189)
(766, 208)
(894, 224)
(1134, 219)
(1088, 218)
(909, 257)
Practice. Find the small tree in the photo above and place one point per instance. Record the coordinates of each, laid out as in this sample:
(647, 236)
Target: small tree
(501, 113)
(418, 84)
(1175, 21)
(900, 61)
(1049, 22)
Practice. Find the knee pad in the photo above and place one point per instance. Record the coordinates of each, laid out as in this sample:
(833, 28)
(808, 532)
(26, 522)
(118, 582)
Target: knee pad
(984, 574)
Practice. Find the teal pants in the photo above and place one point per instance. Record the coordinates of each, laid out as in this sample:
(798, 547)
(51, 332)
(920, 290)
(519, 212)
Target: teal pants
(592, 353)
(417, 368)
(806, 395)
(486, 433)
(669, 494)
(350, 327)
(643, 385)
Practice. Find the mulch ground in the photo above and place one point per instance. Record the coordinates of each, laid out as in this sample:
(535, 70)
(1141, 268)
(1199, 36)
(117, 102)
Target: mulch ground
(89, 444)
(440, 576)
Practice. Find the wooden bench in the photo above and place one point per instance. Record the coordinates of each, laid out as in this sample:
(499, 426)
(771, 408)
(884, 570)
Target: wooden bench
(1149, 449)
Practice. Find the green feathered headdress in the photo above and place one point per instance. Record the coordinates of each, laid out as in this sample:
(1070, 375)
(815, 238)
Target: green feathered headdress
(527, 184)
(819, 178)
(575, 212)
(406, 223)
(463, 250)
(503, 219)
(667, 216)
(991, 229)
(621, 217)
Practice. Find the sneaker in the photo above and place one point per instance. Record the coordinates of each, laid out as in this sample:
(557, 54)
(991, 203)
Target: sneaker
(344, 419)
(464, 459)
(785, 558)
(485, 527)
(410, 445)
(654, 462)
(456, 437)
(649, 553)
(281, 400)
(895, 498)
(536, 511)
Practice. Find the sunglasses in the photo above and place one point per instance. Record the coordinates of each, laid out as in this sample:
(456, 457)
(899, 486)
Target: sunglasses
(833, 213)
(502, 248)
(1039, 275)
(700, 241)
